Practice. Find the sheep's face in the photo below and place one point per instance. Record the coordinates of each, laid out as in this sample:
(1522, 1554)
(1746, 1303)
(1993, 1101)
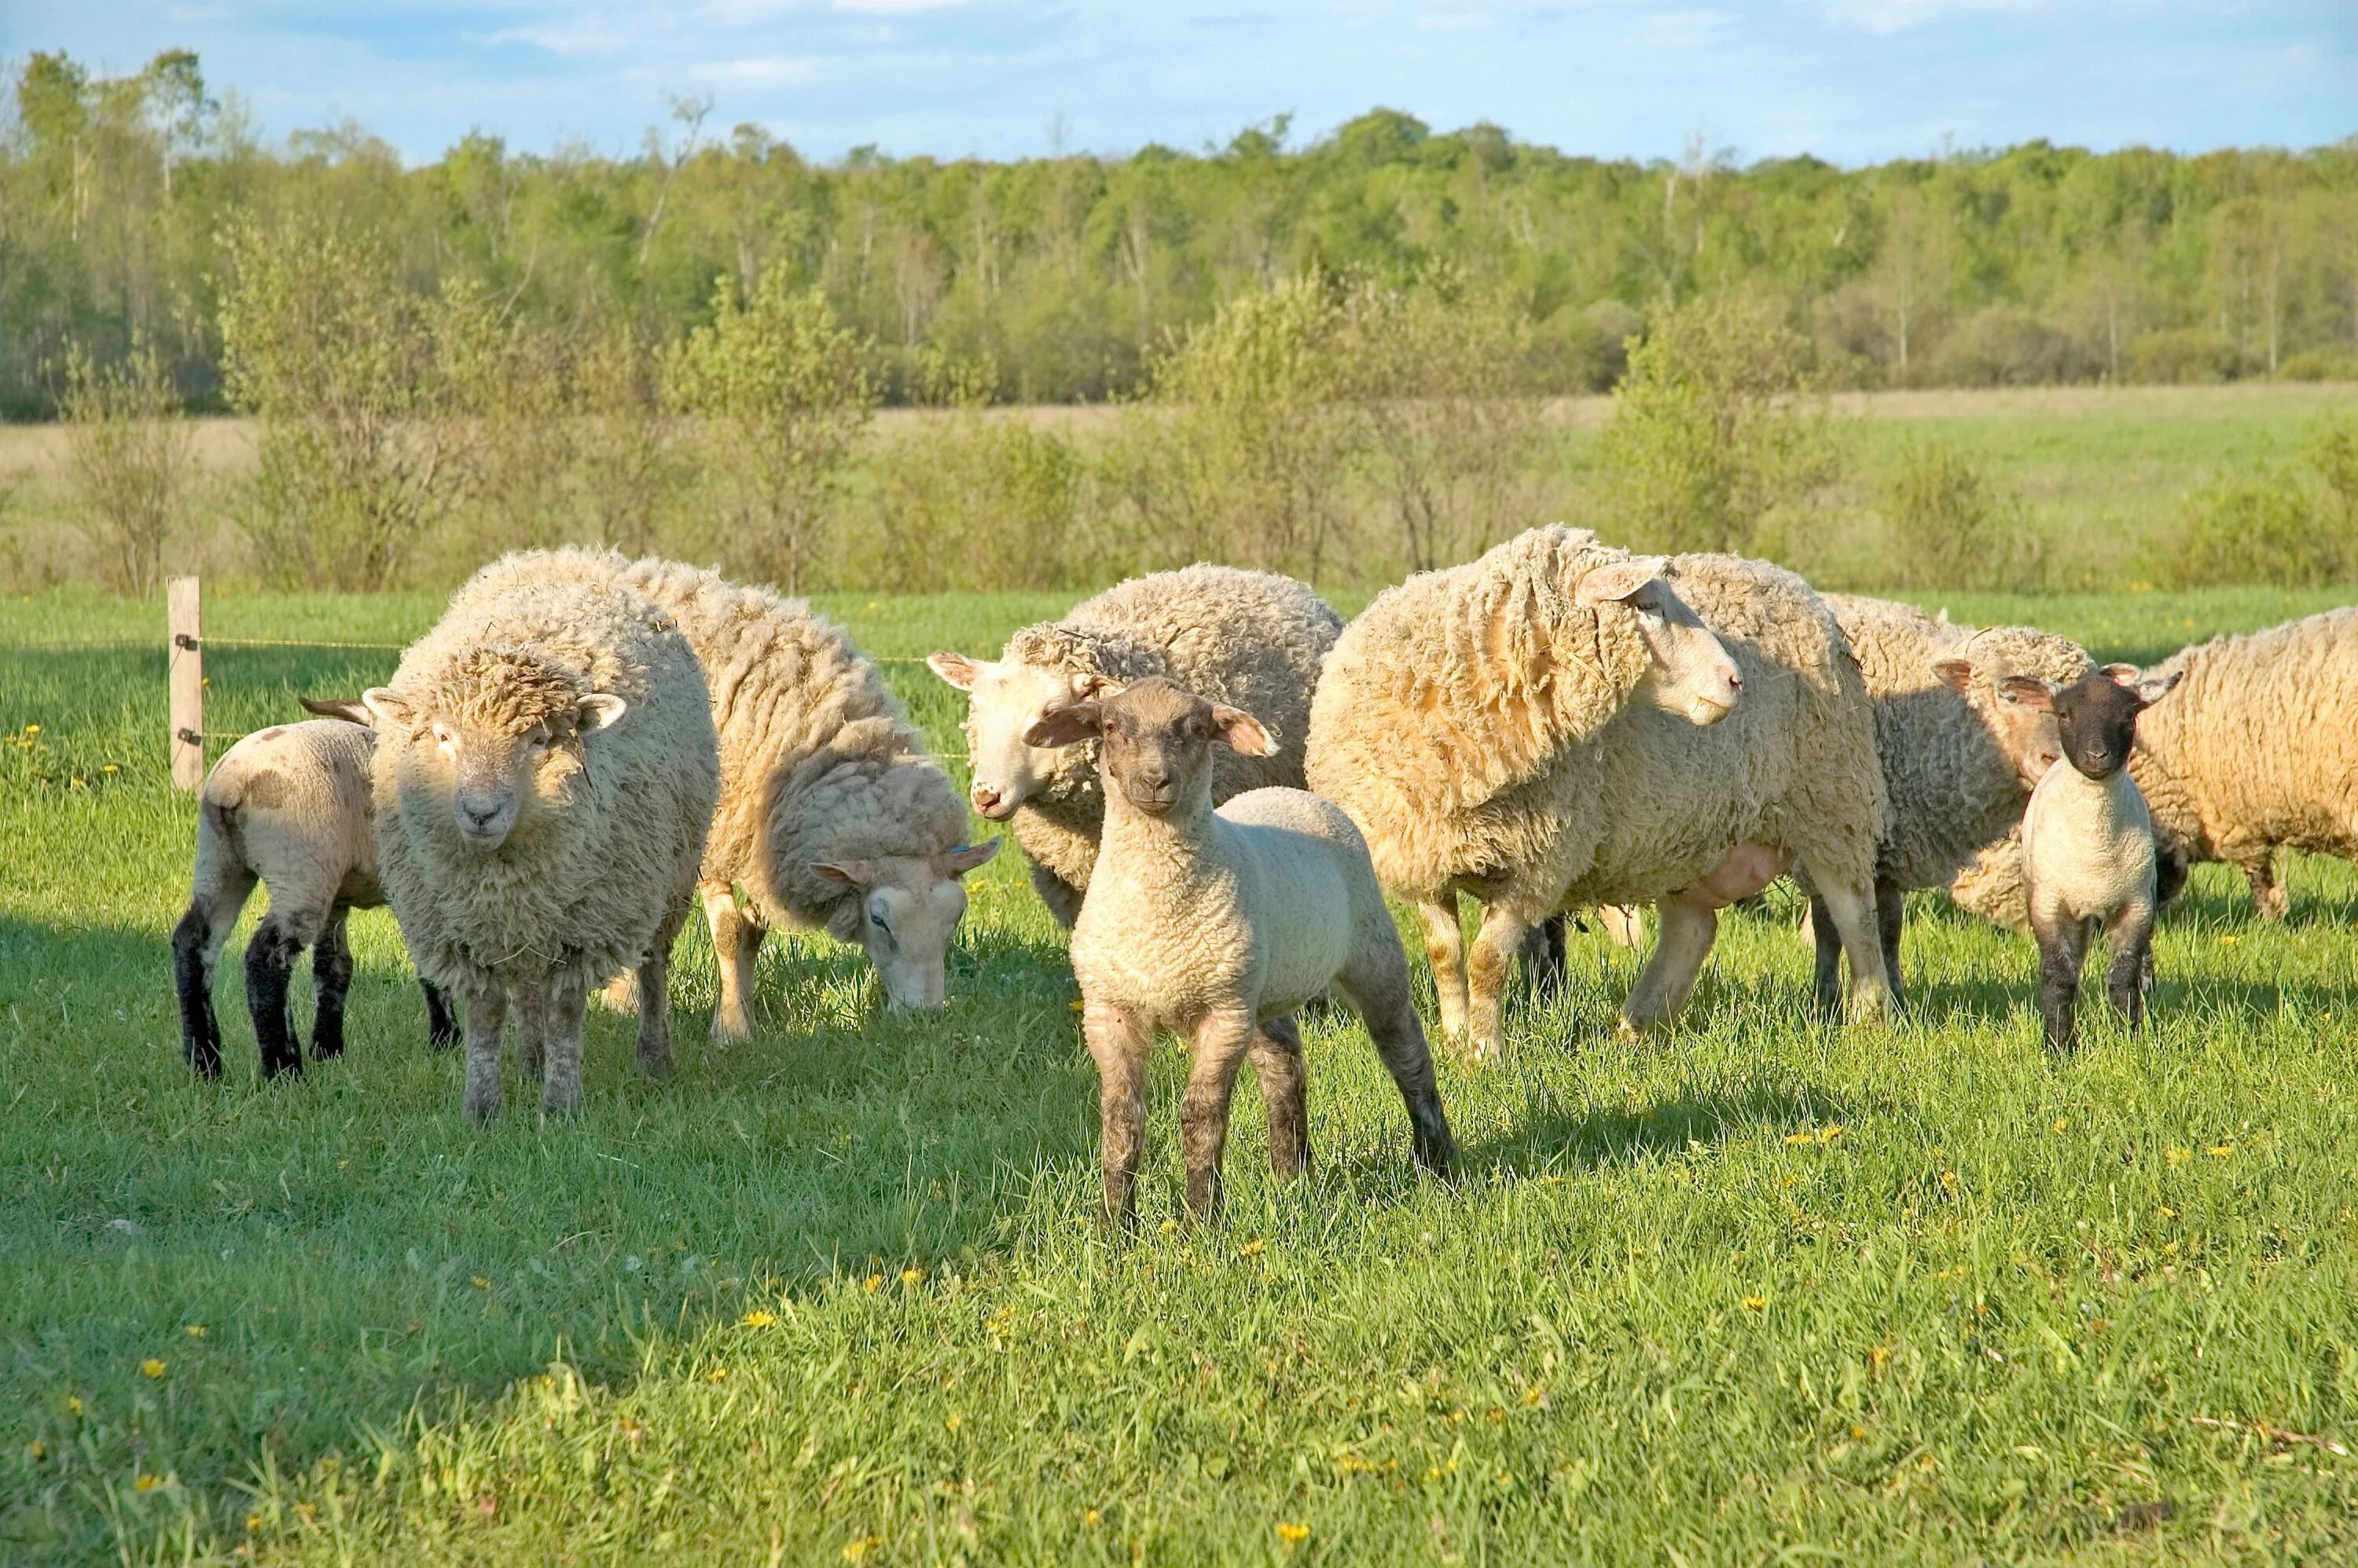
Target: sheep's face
(910, 907)
(2026, 735)
(506, 754)
(2095, 716)
(1156, 741)
(1688, 672)
(1005, 699)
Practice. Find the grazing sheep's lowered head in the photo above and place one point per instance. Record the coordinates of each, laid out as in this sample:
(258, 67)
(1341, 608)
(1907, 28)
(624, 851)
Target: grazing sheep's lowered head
(907, 910)
(1157, 741)
(506, 726)
(2095, 716)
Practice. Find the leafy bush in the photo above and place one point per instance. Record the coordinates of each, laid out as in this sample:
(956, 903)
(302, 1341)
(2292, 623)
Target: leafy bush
(1947, 524)
(130, 459)
(627, 457)
(2319, 365)
(2006, 347)
(2330, 451)
(2256, 528)
(2189, 355)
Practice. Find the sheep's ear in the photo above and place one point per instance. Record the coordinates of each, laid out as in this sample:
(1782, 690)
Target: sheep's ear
(1955, 674)
(1096, 686)
(601, 711)
(2031, 693)
(1620, 581)
(1242, 732)
(2154, 688)
(956, 668)
(968, 857)
(350, 712)
(388, 705)
(850, 873)
(2121, 674)
(1067, 725)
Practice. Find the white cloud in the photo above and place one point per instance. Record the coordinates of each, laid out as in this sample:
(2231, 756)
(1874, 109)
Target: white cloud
(582, 40)
(1899, 15)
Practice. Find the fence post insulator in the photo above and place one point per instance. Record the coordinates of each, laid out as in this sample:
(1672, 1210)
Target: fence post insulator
(185, 656)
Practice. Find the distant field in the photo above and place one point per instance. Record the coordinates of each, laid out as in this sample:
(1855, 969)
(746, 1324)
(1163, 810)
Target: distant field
(1762, 1291)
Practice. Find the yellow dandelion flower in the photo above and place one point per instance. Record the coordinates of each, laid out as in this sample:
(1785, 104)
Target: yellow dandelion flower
(1879, 1356)
(757, 1318)
(480, 1283)
(1756, 1303)
(2179, 1155)
(152, 1367)
(32, 729)
(194, 1331)
(1169, 1226)
(1253, 1248)
(1292, 1534)
(2063, 1124)
(253, 1522)
(860, 1546)
(1804, 1136)
(953, 1421)
(1856, 1431)
(873, 1284)
(912, 1275)
(39, 1451)
(2229, 940)
(73, 1404)
(1534, 1394)
(717, 1374)
(1949, 1182)
(147, 1483)
(110, 768)
(2220, 1151)
(1093, 1517)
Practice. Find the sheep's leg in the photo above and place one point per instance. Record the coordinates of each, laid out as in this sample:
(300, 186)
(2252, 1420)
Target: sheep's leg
(487, 1016)
(1543, 953)
(1890, 917)
(270, 958)
(736, 942)
(197, 942)
(1494, 944)
(441, 1024)
(1685, 929)
(561, 1005)
(620, 994)
(331, 984)
(1063, 899)
(2132, 964)
(2267, 894)
(1222, 1041)
(2062, 948)
(1117, 1044)
(1857, 922)
(1825, 983)
(1284, 1084)
(654, 994)
(1444, 949)
(1376, 983)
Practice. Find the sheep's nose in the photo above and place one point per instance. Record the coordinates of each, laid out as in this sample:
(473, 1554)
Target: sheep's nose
(1734, 679)
(474, 814)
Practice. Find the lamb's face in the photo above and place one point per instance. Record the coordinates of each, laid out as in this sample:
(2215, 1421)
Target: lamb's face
(500, 769)
(2095, 716)
(1157, 739)
(1004, 699)
(1688, 671)
(910, 907)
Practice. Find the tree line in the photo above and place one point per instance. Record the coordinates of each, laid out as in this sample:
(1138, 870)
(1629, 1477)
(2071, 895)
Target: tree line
(1068, 275)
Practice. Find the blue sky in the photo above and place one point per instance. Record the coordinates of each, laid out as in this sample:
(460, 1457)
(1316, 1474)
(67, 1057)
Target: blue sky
(1853, 80)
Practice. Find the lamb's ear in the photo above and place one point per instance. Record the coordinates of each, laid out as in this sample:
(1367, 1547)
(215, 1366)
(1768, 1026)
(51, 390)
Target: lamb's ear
(2153, 688)
(956, 668)
(387, 705)
(601, 711)
(1620, 581)
(850, 873)
(1068, 725)
(1093, 687)
(2121, 674)
(1243, 732)
(2037, 694)
(1955, 674)
(350, 712)
(966, 857)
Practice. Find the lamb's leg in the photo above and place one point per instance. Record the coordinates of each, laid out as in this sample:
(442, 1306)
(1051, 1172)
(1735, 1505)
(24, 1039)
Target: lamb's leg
(1855, 920)
(1284, 1082)
(1543, 953)
(736, 942)
(1221, 1042)
(197, 940)
(1117, 1044)
(1685, 929)
(331, 983)
(1825, 981)
(2062, 948)
(1890, 916)
(561, 1005)
(2267, 894)
(2132, 964)
(442, 1024)
(1444, 949)
(1376, 983)
(1504, 921)
(270, 958)
(1063, 899)
(487, 1016)
(654, 994)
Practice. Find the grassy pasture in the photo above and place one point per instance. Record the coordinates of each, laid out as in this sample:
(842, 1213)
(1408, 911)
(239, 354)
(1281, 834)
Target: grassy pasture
(1764, 1289)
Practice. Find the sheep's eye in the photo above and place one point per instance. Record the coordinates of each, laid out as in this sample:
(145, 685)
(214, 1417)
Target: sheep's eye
(876, 918)
(539, 739)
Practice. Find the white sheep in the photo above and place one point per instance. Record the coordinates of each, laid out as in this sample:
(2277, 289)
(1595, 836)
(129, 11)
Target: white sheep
(291, 807)
(1552, 727)
(1248, 639)
(1217, 925)
(546, 774)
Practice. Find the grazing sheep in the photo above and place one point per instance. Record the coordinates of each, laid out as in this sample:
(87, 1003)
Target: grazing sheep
(1552, 727)
(831, 815)
(291, 807)
(1959, 758)
(2087, 844)
(1217, 925)
(1248, 639)
(546, 775)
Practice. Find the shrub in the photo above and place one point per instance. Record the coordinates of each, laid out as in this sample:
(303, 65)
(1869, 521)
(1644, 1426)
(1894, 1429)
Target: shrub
(627, 453)
(2330, 451)
(1948, 524)
(504, 417)
(2319, 365)
(2006, 347)
(2184, 356)
(780, 392)
(2256, 528)
(130, 459)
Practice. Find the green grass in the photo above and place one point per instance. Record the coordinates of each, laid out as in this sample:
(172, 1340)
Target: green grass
(1764, 1289)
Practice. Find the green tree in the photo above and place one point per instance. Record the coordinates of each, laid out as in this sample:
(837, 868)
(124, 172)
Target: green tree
(131, 462)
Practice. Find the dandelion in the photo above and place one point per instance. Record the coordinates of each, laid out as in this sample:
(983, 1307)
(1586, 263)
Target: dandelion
(37, 1451)
(1879, 1356)
(1756, 1303)
(1253, 1248)
(953, 1421)
(1534, 1394)
(253, 1522)
(73, 1404)
(32, 729)
(759, 1319)
(1292, 1534)
(912, 1275)
(717, 1374)
(2220, 1151)
(194, 1331)
(1093, 1517)
(1078, 1006)
(2063, 1124)
(2179, 1155)
(873, 1284)
(110, 768)
(2229, 940)
(480, 1283)
(1168, 1227)
(1949, 1182)
(147, 1482)
(860, 1546)
(152, 1367)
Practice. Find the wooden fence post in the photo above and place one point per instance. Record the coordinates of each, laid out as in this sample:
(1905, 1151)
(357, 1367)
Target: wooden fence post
(186, 665)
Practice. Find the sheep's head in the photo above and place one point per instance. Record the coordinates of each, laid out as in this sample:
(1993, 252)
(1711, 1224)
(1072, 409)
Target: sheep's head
(909, 908)
(498, 735)
(2095, 716)
(1979, 671)
(1157, 741)
(1005, 698)
(1688, 672)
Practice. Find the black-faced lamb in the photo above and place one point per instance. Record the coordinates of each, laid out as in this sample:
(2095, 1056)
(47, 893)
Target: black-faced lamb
(292, 807)
(2087, 845)
(1217, 925)
(1251, 640)
(546, 774)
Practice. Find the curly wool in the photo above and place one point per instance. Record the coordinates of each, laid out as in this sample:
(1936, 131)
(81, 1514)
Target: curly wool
(1251, 640)
(582, 895)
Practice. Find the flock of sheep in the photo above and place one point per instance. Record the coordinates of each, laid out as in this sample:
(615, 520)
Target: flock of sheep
(585, 743)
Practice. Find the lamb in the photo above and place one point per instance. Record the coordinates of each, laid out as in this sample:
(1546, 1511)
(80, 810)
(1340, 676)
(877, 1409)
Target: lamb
(2087, 844)
(546, 774)
(1248, 639)
(1552, 727)
(1217, 925)
(291, 807)
(832, 817)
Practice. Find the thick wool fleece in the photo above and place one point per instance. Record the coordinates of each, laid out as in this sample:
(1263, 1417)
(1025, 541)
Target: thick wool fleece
(1248, 639)
(577, 892)
(1461, 684)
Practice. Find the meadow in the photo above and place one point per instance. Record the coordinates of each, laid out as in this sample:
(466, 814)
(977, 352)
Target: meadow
(1764, 1289)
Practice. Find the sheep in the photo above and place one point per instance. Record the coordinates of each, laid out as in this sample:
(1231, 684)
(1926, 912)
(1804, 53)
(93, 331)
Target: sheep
(1552, 727)
(291, 807)
(546, 774)
(1959, 758)
(1217, 925)
(831, 815)
(1250, 639)
(2087, 844)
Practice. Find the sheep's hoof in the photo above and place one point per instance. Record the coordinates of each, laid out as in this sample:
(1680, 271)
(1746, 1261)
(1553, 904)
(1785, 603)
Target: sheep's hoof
(482, 1109)
(560, 1103)
(1629, 1031)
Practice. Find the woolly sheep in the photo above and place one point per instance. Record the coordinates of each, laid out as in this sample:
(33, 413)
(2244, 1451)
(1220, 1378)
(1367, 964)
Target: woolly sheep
(832, 817)
(1217, 925)
(546, 774)
(291, 807)
(1251, 640)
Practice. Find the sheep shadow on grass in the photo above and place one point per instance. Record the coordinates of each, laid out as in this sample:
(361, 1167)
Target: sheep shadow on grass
(1550, 1136)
